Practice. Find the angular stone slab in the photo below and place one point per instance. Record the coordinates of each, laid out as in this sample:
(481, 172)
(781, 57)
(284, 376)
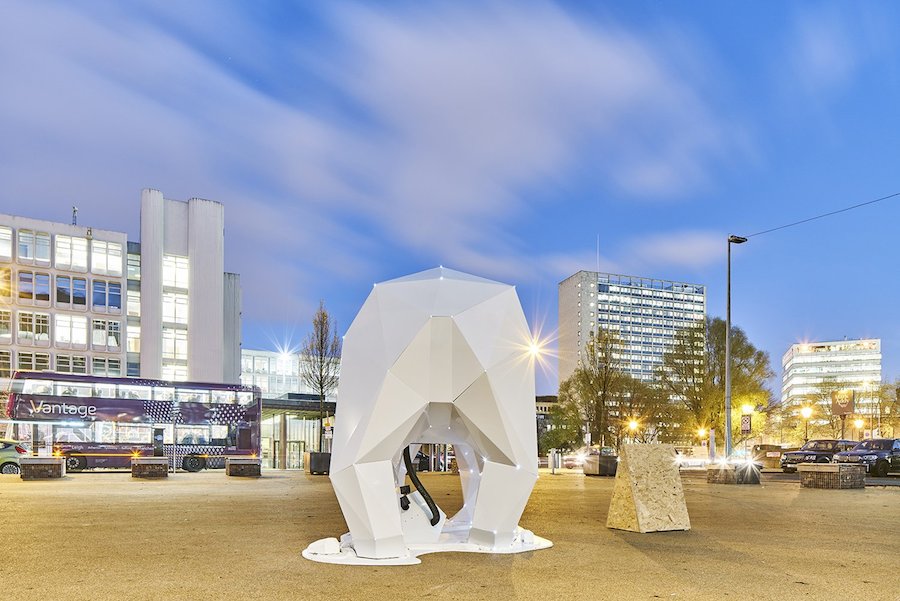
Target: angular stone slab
(647, 495)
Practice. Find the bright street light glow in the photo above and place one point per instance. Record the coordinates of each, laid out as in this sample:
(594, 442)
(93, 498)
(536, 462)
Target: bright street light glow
(746, 408)
(806, 412)
(858, 423)
(701, 432)
(632, 425)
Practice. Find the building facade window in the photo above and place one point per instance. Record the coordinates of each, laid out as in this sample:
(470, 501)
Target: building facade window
(133, 339)
(174, 373)
(133, 304)
(71, 253)
(34, 247)
(104, 366)
(34, 361)
(34, 288)
(175, 307)
(106, 297)
(106, 335)
(134, 267)
(5, 284)
(5, 326)
(175, 271)
(70, 331)
(34, 328)
(106, 258)
(174, 344)
(6, 245)
(71, 364)
(71, 293)
(5, 364)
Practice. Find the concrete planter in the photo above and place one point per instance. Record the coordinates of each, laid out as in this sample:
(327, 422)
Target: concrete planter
(832, 475)
(42, 468)
(245, 467)
(149, 467)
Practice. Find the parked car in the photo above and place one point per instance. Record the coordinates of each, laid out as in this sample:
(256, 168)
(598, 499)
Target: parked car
(815, 451)
(10, 451)
(879, 455)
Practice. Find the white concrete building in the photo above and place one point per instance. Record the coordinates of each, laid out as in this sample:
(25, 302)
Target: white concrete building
(185, 311)
(852, 364)
(276, 373)
(645, 313)
(82, 300)
(61, 298)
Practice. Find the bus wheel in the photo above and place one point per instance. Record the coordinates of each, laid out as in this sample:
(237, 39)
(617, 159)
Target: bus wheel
(9, 468)
(75, 463)
(192, 463)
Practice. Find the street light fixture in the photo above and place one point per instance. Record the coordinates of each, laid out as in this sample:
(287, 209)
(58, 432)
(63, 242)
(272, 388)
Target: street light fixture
(859, 423)
(732, 239)
(806, 412)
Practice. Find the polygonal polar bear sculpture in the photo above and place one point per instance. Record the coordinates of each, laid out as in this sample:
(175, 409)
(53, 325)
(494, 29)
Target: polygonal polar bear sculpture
(436, 357)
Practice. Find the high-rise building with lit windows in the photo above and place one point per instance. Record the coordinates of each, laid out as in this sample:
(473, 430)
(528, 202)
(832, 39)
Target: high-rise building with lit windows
(78, 299)
(811, 367)
(645, 313)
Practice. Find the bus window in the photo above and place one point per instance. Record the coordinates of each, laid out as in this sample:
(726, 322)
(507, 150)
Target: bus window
(105, 391)
(72, 434)
(163, 394)
(191, 395)
(105, 432)
(134, 434)
(219, 435)
(135, 392)
(223, 396)
(245, 398)
(192, 435)
(38, 387)
(73, 389)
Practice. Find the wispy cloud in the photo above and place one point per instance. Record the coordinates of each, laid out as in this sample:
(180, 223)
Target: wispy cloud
(430, 131)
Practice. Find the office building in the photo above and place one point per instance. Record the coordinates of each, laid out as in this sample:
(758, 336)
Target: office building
(189, 305)
(78, 299)
(277, 374)
(645, 313)
(61, 298)
(811, 369)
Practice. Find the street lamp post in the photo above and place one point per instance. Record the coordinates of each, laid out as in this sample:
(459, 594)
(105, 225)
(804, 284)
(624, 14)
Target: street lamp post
(859, 423)
(732, 239)
(806, 412)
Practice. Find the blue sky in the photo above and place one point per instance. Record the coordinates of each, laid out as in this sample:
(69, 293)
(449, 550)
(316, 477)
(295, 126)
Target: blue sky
(353, 143)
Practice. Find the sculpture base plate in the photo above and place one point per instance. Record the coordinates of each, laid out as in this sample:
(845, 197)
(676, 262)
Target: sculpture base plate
(449, 542)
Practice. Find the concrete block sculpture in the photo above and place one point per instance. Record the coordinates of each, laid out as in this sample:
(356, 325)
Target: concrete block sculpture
(647, 495)
(435, 357)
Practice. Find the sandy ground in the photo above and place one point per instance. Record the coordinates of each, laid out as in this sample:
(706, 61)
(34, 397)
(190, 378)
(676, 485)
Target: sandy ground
(205, 536)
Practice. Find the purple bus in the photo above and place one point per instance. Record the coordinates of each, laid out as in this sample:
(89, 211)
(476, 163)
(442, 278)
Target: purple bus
(104, 422)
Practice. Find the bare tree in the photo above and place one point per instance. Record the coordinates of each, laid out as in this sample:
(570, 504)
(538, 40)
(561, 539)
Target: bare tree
(321, 361)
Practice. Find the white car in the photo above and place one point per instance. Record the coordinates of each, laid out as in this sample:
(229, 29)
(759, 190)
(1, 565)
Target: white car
(10, 452)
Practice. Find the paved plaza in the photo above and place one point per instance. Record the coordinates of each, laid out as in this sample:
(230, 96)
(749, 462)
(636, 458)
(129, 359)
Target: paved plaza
(101, 536)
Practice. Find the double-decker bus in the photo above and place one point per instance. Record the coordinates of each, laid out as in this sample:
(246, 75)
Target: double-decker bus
(104, 422)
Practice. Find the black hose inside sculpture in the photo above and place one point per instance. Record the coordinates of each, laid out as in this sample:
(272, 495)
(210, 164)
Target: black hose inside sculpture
(407, 460)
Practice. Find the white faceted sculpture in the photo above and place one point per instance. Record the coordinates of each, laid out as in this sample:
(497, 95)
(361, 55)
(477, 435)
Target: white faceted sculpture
(436, 357)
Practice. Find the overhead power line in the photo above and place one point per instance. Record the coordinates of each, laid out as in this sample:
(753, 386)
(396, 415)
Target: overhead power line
(844, 210)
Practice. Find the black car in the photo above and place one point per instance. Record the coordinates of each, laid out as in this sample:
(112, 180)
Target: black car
(879, 455)
(815, 451)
